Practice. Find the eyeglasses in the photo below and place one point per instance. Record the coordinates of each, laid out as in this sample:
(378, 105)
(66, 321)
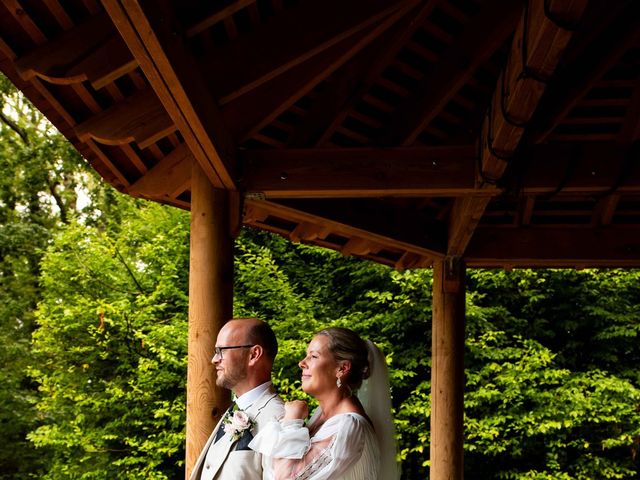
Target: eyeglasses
(218, 350)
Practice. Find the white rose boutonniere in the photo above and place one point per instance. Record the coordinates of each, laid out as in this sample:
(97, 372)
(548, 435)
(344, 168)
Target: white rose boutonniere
(237, 424)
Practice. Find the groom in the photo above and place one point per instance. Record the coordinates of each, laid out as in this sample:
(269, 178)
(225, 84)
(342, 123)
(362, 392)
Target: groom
(244, 354)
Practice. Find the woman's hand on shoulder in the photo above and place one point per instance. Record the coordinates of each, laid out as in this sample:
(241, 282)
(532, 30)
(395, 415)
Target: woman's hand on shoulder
(296, 410)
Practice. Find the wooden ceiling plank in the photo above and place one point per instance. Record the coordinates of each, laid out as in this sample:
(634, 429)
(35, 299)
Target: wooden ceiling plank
(53, 60)
(630, 131)
(217, 16)
(606, 207)
(554, 247)
(251, 112)
(475, 46)
(518, 97)
(167, 179)
(111, 60)
(28, 25)
(579, 78)
(92, 6)
(525, 211)
(292, 37)
(134, 158)
(140, 118)
(174, 76)
(87, 97)
(109, 164)
(59, 13)
(596, 168)
(332, 109)
(299, 173)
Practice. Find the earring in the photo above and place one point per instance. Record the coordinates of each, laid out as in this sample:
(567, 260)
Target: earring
(339, 382)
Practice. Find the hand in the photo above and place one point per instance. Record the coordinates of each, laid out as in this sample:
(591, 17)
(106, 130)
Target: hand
(296, 410)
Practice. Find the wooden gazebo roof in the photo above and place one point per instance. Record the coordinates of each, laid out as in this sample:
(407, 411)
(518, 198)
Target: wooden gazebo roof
(402, 131)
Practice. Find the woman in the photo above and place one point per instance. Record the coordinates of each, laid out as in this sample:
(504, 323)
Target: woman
(347, 437)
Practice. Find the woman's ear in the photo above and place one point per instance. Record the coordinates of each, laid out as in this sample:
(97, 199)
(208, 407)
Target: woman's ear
(344, 367)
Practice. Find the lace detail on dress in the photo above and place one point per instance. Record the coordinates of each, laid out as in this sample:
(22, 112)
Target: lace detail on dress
(318, 463)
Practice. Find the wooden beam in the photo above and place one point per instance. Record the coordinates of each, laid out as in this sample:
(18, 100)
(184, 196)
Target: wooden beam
(148, 29)
(515, 99)
(609, 246)
(435, 172)
(570, 168)
(90, 51)
(110, 61)
(490, 29)
(210, 306)
(168, 179)
(630, 131)
(578, 77)
(377, 218)
(350, 83)
(447, 370)
(288, 39)
(249, 113)
(441, 171)
(259, 212)
(217, 16)
(140, 118)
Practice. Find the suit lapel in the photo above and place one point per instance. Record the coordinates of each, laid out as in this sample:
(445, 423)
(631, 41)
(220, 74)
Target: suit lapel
(203, 454)
(225, 444)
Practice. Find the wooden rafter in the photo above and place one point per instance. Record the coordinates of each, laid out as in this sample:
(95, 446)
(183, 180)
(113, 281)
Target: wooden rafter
(79, 54)
(330, 110)
(268, 52)
(630, 131)
(249, 113)
(140, 118)
(579, 77)
(217, 16)
(258, 212)
(476, 45)
(515, 99)
(167, 179)
(411, 227)
(174, 75)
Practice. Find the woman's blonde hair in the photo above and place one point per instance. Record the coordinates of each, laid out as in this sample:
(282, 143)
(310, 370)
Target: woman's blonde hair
(345, 344)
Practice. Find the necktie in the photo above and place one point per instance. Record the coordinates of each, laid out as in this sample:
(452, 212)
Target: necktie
(220, 431)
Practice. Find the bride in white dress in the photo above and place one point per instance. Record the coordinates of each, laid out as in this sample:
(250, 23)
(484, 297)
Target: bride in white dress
(349, 436)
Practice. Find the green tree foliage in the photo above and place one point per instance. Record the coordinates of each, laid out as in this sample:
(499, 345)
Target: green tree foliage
(40, 175)
(111, 347)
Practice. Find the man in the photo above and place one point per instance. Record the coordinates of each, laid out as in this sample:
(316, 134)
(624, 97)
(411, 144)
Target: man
(244, 354)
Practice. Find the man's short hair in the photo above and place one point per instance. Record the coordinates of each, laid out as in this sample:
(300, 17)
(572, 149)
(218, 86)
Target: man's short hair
(262, 334)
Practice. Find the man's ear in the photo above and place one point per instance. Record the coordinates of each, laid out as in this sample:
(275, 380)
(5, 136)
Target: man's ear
(255, 353)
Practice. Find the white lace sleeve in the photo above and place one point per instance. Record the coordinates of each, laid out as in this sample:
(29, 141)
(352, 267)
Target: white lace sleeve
(286, 439)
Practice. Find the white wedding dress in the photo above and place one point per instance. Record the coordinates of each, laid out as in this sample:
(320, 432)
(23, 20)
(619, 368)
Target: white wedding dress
(344, 448)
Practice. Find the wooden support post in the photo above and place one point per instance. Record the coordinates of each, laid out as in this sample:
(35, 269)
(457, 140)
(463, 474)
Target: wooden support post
(447, 370)
(210, 306)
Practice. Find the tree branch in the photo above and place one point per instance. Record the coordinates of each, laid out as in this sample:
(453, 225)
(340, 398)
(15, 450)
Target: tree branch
(15, 127)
